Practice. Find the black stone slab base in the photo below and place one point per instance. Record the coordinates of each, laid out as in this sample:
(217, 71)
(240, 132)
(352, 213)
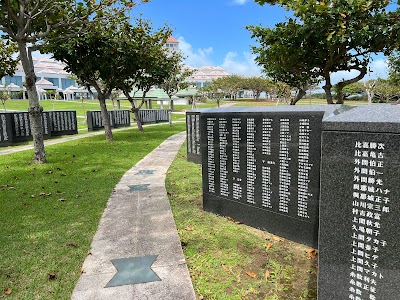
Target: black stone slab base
(280, 224)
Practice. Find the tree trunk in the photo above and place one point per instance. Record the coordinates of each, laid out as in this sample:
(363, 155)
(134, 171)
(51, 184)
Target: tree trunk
(328, 90)
(35, 110)
(300, 94)
(135, 110)
(342, 84)
(106, 117)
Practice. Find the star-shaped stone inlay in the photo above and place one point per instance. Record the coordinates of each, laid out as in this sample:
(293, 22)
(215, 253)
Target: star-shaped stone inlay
(139, 187)
(133, 270)
(145, 172)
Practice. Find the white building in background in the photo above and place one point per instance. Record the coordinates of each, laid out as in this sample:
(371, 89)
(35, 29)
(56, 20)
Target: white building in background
(51, 76)
(203, 75)
(206, 74)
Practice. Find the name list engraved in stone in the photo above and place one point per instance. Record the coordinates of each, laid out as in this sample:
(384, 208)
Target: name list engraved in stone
(4, 127)
(266, 136)
(266, 186)
(236, 185)
(189, 133)
(250, 160)
(284, 159)
(193, 141)
(210, 155)
(197, 133)
(304, 169)
(223, 157)
(371, 203)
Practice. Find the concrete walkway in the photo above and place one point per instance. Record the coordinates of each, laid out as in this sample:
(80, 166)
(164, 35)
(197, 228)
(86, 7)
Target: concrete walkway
(137, 225)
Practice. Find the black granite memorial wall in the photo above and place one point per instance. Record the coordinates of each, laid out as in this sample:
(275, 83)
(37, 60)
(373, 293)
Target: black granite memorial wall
(6, 136)
(359, 243)
(121, 118)
(21, 126)
(63, 122)
(261, 167)
(148, 116)
(193, 135)
(118, 118)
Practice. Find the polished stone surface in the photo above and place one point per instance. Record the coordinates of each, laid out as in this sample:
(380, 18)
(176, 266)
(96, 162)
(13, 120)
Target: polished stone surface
(359, 206)
(133, 270)
(261, 166)
(139, 187)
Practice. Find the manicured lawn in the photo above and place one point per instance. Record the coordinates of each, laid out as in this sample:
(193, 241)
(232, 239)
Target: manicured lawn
(50, 212)
(306, 101)
(228, 260)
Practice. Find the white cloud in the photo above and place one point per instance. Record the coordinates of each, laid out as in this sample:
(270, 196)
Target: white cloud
(241, 66)
(195, 57)
(240, 2)
(379, 68)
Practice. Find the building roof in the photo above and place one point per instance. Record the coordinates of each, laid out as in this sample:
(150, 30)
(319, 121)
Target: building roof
(43, 82)
(172, 40)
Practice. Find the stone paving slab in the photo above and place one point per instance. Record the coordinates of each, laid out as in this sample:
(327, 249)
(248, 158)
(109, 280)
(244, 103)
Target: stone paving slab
(138, 224)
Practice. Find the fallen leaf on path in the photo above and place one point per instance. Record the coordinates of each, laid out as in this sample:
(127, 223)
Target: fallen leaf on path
(8, 291)
(311, 253)
(251, 274)
(267, 275)
(188, 228)
(225, 268)
(269, 246)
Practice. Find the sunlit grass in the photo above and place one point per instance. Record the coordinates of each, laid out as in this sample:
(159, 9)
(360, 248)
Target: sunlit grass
(50, 212)
(232, 261)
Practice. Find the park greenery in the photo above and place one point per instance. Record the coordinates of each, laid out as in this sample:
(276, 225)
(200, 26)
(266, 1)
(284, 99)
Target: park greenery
(299, 54)
(29, 23)
(53, 209)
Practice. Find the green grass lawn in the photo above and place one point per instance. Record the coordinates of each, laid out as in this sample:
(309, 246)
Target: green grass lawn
(50, 212)
(228, 260)
(305, 101)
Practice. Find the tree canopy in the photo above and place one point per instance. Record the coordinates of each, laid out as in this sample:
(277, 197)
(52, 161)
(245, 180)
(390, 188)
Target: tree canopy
(28, 23)
(8, 62)
(325, 37)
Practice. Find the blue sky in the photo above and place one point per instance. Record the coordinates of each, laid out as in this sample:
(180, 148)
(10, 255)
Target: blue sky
(212, 32)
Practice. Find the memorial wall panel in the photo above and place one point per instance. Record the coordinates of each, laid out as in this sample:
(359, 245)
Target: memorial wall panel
(359, 206)
(6, 137)
(193, 135)
(63, 122)
(21, 126)
(261, 167)
(118, 118)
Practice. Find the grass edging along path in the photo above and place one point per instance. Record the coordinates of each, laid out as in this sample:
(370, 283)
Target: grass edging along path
(228, 260)
(50, 212)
